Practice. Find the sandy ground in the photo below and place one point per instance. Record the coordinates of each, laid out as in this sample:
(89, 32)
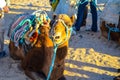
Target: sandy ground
(90, 56)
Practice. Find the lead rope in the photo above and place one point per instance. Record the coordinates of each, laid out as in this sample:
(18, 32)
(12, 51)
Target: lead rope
(53, 60)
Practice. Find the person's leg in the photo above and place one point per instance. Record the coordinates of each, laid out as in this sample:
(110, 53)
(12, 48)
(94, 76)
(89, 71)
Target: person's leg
(80, 13)
(85, 16)
(2, 52)
(94, 16)
(1, 41)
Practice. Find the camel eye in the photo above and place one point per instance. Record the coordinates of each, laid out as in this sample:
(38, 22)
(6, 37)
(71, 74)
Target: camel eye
(55, 28)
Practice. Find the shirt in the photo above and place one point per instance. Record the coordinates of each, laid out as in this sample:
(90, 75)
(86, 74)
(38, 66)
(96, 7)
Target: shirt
(2, 3)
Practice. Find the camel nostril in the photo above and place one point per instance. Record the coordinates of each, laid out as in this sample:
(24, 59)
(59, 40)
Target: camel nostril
(57, 37)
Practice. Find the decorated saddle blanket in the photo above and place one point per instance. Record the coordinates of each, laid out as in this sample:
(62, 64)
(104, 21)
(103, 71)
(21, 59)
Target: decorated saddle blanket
(20, 27)
(26, 26)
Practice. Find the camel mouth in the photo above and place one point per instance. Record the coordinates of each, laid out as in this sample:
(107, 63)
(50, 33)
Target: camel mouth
(57, 41)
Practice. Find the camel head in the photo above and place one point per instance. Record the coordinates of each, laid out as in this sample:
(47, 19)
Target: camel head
(61, 28)
(45, 28)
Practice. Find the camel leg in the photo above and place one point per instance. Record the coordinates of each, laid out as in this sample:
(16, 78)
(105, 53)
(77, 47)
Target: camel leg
(20, 53)
(34, 75)
(62, 78)
(12, 50)
(29, 74)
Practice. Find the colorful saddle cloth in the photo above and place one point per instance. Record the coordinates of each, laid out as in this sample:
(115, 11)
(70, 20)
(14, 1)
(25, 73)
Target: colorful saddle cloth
(26, 23)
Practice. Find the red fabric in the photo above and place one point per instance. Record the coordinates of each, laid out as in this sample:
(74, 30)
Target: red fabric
(34, 36)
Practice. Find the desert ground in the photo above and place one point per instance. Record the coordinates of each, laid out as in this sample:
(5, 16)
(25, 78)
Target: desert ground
(90, 56)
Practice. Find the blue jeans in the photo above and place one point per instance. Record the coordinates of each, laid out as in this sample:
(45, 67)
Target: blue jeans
(80, 14)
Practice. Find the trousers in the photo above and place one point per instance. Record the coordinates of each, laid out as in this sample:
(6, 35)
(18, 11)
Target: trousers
(80, 14)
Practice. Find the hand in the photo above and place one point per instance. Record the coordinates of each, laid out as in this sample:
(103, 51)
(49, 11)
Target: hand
(6, 9)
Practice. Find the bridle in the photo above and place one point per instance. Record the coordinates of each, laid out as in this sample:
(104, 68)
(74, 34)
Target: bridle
(67, 29)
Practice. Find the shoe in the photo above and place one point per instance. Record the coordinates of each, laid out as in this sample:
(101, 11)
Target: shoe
(74, 32)
(3, 54)
(94, 29)
(83, 23)
(74, 28)
(91, 29)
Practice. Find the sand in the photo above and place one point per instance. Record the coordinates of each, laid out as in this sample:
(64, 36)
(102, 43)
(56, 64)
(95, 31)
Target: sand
(90, 56)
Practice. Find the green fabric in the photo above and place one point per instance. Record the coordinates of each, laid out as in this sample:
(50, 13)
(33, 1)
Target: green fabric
(54, 4)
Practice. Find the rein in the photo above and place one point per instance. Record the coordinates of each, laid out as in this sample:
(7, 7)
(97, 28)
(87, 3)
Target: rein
(56, 47)
(52, 62)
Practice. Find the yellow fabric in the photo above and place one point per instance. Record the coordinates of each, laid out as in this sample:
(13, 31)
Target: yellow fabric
(54, 5)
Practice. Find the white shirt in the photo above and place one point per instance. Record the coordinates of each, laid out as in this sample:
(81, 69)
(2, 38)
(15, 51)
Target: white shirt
(2, 3)
(64, 8)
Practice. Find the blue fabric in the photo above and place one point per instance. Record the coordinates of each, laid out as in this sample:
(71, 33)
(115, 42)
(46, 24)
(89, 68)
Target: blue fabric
(3, 54)
(80, 14)
(53, 61)
(94, 16)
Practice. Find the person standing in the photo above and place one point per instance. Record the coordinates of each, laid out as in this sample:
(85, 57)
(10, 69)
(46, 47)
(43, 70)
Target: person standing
(3, 8)
(80, 14)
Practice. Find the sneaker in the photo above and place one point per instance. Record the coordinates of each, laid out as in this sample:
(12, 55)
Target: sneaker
(74, 31)
(3, 54)
(74, 28)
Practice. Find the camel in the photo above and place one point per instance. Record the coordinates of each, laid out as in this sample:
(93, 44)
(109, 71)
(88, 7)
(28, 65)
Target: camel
(110, 21)
(41, 61)
(38, 57)
(61, 32)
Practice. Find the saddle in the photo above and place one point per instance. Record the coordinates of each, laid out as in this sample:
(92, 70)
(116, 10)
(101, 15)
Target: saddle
(25, 29)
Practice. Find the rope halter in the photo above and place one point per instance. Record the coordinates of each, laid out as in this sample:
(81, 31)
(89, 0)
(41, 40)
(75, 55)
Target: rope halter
(67, 29)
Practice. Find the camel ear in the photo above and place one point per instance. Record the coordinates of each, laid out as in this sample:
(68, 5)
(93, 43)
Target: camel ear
(73, 18)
